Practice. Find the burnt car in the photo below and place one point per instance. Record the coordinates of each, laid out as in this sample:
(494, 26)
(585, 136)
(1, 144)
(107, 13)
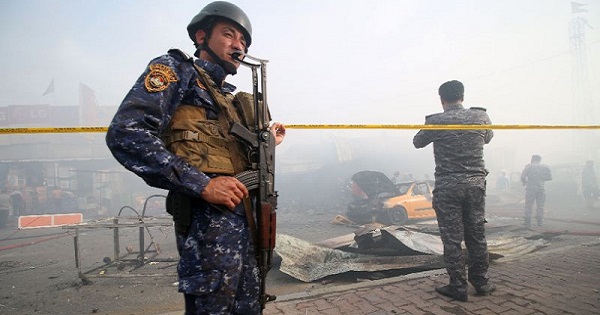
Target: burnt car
(391, 203)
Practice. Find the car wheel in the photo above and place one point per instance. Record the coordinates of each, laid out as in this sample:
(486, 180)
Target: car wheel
(397, 216)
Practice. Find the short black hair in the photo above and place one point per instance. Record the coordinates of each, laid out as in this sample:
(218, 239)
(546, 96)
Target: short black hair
(536, 158)
(452, 91)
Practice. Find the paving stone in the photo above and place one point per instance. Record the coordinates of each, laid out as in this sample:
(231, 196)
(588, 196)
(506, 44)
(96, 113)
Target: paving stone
(556, 282)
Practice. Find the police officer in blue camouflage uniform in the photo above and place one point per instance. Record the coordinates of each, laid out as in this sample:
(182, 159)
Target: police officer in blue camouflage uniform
(533, 177)
(459, 194)
(148, 135)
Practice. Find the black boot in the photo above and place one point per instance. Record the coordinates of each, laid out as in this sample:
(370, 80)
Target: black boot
(456, 293)
(485, 289)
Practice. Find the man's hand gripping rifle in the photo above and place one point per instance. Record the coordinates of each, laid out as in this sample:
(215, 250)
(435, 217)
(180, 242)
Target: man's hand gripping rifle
(262, 175)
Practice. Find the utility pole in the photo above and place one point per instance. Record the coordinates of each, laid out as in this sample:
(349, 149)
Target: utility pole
(584, 112)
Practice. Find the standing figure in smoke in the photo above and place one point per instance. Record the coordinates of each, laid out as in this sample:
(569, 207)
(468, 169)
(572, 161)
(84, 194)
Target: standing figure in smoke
(459, 194)
(533, 177)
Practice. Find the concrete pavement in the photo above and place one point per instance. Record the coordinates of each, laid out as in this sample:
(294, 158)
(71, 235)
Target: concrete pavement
(565, 280)
(561, 281)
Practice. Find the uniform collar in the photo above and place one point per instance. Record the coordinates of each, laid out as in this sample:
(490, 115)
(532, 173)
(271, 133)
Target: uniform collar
(217, 73)
(453, 107)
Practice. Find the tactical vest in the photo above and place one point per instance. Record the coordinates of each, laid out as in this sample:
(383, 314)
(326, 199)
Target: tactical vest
(207, 144)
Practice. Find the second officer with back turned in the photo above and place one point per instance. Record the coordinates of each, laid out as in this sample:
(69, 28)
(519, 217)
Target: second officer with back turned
(459, 194)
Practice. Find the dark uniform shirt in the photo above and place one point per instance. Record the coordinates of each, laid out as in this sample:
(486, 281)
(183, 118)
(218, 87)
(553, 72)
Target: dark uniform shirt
(588, 177)
(458, 153)
(134, 135)
(534, 175)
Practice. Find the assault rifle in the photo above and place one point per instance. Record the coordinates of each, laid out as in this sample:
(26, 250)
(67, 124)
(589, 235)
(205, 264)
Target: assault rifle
(262, 175)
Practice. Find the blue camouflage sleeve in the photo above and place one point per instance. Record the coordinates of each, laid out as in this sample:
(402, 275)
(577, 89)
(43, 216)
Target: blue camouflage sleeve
(134, 135)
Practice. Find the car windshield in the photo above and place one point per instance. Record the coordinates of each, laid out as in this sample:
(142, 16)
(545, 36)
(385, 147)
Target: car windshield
(403, 187)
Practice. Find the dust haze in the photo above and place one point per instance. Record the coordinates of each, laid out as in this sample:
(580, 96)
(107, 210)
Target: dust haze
(334, 62)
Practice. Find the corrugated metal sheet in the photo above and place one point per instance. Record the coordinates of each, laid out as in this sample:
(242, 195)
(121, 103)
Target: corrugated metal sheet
(400, 248)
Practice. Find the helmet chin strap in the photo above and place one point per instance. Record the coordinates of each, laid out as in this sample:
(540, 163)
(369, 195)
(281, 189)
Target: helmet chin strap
(228, 66)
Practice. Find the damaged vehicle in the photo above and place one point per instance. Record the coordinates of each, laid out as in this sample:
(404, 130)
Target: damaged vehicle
(388, 202)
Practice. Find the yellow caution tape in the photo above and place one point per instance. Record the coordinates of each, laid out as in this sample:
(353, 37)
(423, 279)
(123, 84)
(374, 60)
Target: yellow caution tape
(442, 127)
(38, 130)
(7, 131)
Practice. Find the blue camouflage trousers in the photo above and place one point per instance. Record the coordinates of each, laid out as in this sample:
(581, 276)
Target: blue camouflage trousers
(217, 269)
(461, 216)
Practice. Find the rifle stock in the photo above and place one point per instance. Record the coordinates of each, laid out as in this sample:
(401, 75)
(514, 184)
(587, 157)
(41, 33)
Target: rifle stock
(267, 220)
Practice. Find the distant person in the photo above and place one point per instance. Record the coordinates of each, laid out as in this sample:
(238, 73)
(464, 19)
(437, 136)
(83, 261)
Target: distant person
(18, 203)
(589, 185)
(4, 207)
(502, 183)
(533, 177)
(459, 194)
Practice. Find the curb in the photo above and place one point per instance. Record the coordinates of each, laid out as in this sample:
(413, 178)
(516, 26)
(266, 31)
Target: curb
(355, 286)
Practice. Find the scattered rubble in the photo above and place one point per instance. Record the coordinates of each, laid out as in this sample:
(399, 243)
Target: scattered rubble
(376, 247)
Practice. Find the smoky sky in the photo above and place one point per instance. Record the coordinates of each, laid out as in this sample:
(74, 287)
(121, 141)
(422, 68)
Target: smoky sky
(337, 62)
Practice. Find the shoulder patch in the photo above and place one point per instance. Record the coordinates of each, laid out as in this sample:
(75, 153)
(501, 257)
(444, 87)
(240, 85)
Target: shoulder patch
(478, 108)
(159, 78)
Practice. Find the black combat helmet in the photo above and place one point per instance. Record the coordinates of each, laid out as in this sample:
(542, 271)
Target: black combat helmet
(221, 9)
